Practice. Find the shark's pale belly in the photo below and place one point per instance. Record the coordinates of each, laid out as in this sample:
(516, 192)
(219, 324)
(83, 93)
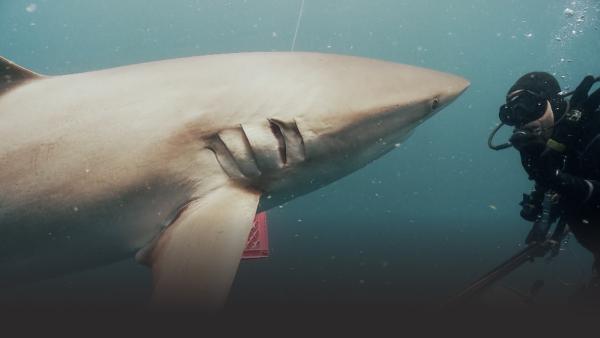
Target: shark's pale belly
(36, 243)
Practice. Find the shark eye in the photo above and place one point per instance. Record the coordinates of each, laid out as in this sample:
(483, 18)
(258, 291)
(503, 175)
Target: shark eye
(435, 104)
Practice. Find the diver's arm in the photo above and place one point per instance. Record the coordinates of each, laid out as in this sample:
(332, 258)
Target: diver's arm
(579, 190)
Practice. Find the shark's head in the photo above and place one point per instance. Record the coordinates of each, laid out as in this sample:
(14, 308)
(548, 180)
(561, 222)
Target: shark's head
(327, 117)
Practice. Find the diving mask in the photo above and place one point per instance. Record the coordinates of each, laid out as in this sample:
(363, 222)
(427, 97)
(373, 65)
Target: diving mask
(522, 107)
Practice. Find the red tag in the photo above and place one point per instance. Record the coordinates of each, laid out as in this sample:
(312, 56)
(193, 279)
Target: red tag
(258, 239)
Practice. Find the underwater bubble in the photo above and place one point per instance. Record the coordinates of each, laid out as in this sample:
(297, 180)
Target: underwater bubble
(569, 12)
(31, 8)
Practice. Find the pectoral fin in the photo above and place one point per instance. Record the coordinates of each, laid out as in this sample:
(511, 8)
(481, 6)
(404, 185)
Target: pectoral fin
(196, 258)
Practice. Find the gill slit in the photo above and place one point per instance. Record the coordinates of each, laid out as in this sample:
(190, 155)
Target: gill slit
(276, 129)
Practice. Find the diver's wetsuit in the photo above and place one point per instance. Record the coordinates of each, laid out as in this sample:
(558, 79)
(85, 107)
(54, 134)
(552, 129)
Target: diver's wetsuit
(580, 187)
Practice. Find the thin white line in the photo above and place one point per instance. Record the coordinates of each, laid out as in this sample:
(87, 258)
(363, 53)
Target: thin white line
(298, 25)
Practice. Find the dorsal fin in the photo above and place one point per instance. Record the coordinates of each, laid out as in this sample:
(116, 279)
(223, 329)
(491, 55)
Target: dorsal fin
(11, 74)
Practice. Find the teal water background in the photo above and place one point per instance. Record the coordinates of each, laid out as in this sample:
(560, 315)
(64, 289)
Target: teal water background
(414, 226)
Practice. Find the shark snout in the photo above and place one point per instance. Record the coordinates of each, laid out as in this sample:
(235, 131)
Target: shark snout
(357, 131)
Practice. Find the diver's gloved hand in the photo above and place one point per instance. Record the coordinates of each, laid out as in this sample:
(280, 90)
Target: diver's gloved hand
(531, 205)
(545, 169)
(530, 210)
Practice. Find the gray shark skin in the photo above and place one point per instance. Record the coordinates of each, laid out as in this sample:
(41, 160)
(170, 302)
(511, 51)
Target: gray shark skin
(170, 159)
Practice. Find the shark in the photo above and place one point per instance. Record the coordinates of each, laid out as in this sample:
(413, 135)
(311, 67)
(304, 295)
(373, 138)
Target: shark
(169, 161)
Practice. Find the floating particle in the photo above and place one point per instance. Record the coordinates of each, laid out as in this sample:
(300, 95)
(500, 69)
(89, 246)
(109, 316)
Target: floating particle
(274, 34)
(569, 12)
(529, 35)
(31, 8)
(493, 207)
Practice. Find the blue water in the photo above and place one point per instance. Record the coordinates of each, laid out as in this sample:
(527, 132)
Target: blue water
(414, 226)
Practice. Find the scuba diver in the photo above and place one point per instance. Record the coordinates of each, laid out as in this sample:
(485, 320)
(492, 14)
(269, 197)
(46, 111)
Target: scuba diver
(559, 144)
